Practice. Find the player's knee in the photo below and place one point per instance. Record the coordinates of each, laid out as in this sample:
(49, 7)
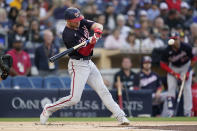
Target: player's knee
(75, 100)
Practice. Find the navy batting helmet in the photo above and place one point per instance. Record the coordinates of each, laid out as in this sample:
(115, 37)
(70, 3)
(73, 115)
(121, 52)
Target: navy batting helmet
(73, 14)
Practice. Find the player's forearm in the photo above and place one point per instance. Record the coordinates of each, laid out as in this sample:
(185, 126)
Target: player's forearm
(165, 67)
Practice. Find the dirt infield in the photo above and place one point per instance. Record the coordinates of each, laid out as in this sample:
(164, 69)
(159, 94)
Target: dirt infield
(98, 126)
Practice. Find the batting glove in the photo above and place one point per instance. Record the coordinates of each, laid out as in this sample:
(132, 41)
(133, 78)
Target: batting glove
(98, 33)
(177, 75)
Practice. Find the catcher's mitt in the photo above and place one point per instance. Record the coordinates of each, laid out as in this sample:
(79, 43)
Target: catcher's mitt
(5, 65)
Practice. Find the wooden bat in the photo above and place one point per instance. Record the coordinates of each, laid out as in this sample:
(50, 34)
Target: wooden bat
(119, 92)
(179, 95)
(61, 54)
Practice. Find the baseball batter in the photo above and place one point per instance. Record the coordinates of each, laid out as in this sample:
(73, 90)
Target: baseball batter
(176, 60)
(80, 67)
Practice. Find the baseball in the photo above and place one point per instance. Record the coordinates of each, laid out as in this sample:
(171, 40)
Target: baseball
(170, 41)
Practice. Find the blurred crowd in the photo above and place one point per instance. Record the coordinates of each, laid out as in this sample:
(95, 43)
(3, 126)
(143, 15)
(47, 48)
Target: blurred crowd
(35, 27)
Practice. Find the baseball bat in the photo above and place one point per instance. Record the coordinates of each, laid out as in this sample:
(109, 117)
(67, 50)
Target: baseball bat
(179, 95)
(61, 54)
(119, 92)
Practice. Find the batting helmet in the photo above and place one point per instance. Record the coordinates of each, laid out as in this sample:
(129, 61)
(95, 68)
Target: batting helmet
(73, 14)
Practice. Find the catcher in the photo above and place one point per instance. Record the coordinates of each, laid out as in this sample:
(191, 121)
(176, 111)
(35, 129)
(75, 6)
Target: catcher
(5, 65)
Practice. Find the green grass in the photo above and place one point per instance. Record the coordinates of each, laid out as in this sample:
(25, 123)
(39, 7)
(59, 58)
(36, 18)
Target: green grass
(97, 119)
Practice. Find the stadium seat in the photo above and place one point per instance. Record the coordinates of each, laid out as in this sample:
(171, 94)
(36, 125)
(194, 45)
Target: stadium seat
(53, 82)
(21, 82)
(37, 81)
(7, 83)
(66, 80)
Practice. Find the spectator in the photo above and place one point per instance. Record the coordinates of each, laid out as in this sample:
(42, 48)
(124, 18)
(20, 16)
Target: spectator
(30, 13)
(19, 33)
(115, 40)
(61, 7)
(133, 5)
(137, 30)
(127, 76)
(184, 10)
(153, 12)
(149, 80)
(22, 19)
(164, 34)
(131, 19)
(143, 15)
(44, 52)
(21, 60)
(124, 30)
(90, 12)
(193, 30)
(131, 42)
(163, 10)
(12, 16)
(174, 4)
(158, 24)
(173, 19)
(34, 32)
(4, 23)
(144, 29)
(110, 17)
(152, 42)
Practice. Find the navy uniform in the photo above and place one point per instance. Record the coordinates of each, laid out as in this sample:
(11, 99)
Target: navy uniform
(80, 67)
(127, 81)
(176, 60)
(148, 80)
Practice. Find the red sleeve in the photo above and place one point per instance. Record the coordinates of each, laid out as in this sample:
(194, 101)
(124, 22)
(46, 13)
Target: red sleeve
(194, 59)
(85, 51)
(166, 67)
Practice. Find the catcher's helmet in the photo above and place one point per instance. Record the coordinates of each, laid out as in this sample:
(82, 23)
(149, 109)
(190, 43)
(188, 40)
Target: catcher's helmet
(73, 14)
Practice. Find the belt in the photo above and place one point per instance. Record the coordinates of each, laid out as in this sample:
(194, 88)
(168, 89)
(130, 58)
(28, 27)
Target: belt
(80, 58)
